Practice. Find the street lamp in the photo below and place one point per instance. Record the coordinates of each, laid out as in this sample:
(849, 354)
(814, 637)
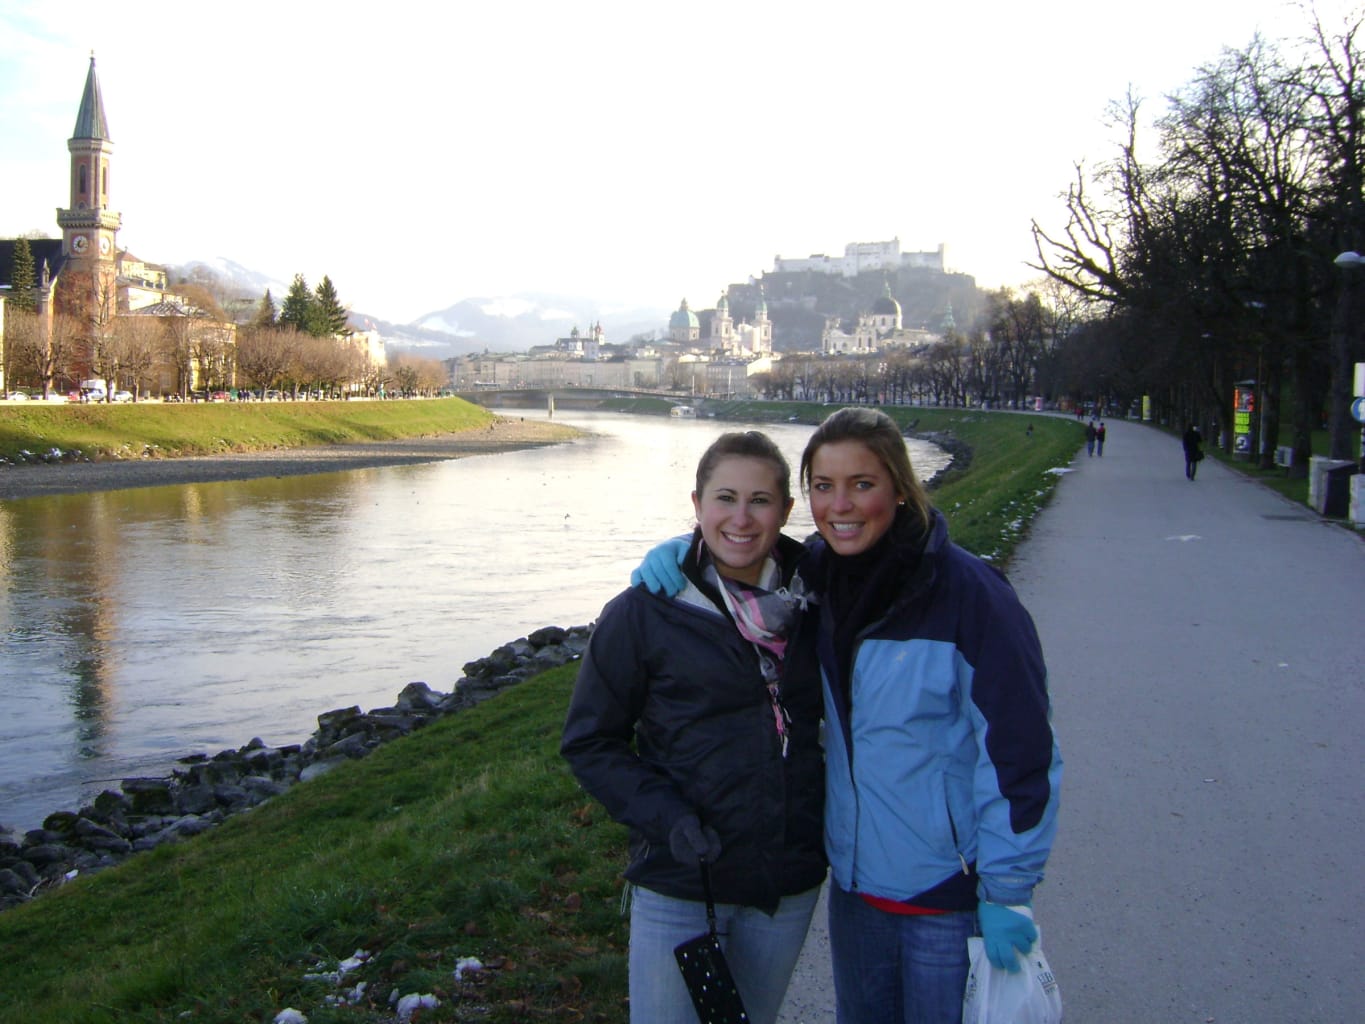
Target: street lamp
(1340, 426)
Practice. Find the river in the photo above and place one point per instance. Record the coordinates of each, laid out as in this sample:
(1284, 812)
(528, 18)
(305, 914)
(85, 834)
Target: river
(144, 625)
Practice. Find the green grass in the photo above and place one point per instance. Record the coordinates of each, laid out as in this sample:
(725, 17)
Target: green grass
(154, 429)
(468, 838)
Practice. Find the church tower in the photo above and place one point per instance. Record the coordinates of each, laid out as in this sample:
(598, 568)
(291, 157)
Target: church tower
(89, 227)
(764, 325)
(722, 326)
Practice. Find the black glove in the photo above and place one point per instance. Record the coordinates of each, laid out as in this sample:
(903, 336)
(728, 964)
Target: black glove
(689, 841)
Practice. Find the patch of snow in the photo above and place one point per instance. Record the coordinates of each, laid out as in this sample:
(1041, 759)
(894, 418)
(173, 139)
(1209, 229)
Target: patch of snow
(410, 1004)
(440, 323)
(509, 307)
(467, 963)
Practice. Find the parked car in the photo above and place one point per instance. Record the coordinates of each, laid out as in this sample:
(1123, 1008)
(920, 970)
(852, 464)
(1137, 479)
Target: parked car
(220, 396)
(16, 396)
(123, 396)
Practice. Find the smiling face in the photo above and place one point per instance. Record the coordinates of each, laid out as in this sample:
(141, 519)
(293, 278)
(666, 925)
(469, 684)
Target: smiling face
(852, 496)
(741, 511)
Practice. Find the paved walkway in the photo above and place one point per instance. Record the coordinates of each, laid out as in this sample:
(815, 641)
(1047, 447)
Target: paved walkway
(1206, 660)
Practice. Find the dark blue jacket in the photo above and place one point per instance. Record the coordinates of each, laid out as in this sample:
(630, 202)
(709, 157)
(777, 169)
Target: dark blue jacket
(670, 716)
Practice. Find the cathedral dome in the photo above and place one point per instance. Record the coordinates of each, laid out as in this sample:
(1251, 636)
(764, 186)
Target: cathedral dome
(683, 318)
(886, 305)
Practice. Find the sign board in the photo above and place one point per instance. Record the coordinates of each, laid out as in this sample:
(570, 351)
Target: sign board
(1358, 410)
(1243, 406)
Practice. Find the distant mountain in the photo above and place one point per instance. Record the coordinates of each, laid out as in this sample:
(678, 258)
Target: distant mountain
(231, 280)
(511, 323)
(515, 323)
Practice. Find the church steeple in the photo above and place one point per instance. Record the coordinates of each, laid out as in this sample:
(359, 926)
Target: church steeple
(89, 227)
(90, 120)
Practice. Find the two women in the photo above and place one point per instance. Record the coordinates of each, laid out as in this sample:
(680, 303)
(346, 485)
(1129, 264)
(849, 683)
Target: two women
(695, 721)
(941, 767)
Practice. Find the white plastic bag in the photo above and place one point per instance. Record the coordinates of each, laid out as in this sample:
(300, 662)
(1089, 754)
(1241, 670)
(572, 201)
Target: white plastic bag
(996, 996)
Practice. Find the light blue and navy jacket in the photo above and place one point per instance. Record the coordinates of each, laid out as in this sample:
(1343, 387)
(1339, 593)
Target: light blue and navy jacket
(942, 770)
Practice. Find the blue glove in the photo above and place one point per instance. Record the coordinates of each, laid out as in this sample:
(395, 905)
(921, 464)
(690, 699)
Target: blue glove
(659, 572)
(1006, 931)
(689, 841)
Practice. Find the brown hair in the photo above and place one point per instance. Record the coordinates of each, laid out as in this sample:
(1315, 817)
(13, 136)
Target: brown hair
(878, 433)
(751, 444)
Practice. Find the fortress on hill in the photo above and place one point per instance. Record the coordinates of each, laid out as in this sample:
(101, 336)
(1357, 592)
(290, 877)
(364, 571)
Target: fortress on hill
(860, 257)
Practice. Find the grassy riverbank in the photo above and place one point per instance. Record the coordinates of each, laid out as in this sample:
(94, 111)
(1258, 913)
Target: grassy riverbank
(468, 838)
(154, 429)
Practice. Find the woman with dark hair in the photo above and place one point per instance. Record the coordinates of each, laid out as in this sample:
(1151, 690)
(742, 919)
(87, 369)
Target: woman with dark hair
(942, 772)
(695, 721)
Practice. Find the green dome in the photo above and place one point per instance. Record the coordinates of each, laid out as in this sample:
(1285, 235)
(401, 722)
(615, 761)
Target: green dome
(683, 318)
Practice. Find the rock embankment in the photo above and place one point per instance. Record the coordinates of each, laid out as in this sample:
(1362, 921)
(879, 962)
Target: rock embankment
(146, 812)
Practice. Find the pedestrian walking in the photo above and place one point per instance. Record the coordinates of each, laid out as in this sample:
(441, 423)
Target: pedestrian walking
(1192, 442)
(1090, 435)
(1099, 439)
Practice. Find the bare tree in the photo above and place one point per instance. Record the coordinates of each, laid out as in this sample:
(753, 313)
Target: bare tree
(214, 353)
(61, 353)
(23, 342)
(264, 355)
(178, 348)
(1336, 87)
(135, 348)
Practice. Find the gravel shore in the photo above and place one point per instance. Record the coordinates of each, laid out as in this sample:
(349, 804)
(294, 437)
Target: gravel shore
(44, 479)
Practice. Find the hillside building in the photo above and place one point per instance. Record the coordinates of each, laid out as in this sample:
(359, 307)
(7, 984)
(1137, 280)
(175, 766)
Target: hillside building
(743, 341)
(874, 331)
(582, 346)
(861, 257)
(683, 326)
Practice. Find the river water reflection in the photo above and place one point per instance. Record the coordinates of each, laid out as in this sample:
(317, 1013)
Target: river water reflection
(144, 625)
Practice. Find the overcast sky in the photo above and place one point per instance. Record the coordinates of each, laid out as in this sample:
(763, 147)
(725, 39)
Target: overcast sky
(629, 152)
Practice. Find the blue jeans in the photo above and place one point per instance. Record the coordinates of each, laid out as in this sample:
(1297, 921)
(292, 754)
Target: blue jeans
(897, 968)
(761, 951)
